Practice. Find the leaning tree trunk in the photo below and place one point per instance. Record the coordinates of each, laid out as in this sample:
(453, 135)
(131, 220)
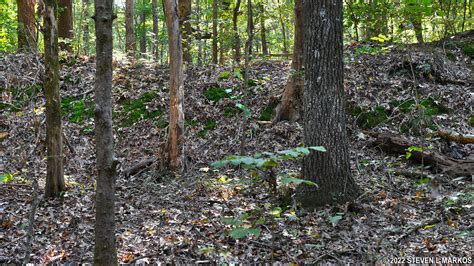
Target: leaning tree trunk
(291, 100)
(129, 28)
(54, 141)
(214, 31)
(236, 41)
(176, 125)
(184, 13)
(324, 118)
(65, 24)
(26, 25)
(154, 10)
(105, 252)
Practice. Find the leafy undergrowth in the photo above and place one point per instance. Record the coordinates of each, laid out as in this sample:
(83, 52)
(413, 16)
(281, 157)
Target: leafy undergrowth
(227, 215)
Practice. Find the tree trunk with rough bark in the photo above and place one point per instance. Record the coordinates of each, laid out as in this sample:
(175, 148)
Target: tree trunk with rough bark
(26, 25)
(129, 28)
(174, 148)
(250, 27)
(54, 140)
(184, 13)
(324, 118)
(214, 31)
(236, 41)
(65, 24)
(105, 252)
(154, 10)
(283, 29)
(291, 100)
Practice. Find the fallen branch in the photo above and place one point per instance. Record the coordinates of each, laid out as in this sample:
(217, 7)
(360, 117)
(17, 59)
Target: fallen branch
(417, 227)
(31, 221)
(139, 167)
(441, 163)
(456, 137)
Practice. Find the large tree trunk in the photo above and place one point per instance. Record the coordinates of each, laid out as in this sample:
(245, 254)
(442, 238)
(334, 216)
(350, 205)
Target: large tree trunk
(263, 31)
(85, 26)
(65, 24)
(129, 34)
(236, 41)
(154, 10)
(184, 13)
(143, 31)
(26, 25)
(54, 141)
(105, 252)
(291, 100)
(324, 118)
(214, 31)
(418, 28)
(176, 125)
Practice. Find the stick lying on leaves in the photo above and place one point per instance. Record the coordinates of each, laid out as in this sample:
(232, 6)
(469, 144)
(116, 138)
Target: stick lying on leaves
(456, 137)
(31, 221)
(417, 227)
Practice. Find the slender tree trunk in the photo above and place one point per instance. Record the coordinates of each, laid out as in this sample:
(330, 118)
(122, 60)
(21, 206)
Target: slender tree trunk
(176, 125)
(129, 28)
(221, 56)
(26, 25)
(65, 24)
(464, 15)
(214, 31)
(143, 26)
(283, 30)
(263, 31)
(105, 252)
(184, 13)
(54, 141)
(291, 100)
(324, 118)
(154, 10)
(236, 40)
(198, 26)
(417, 26)
(85, 26)
(250, 27)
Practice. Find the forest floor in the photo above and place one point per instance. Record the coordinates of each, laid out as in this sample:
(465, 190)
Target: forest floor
(190, 218)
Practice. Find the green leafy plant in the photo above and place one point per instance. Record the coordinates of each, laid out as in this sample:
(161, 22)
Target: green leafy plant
(266, 162)
(410, 151)
(242, 227)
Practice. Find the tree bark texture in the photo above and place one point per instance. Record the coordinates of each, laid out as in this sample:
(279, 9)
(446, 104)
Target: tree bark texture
(105, 252)
(184, 13)
(263, 31)
(214, 31)
(143, 26)
(176, 125)
(26, 25)
(65, 24)
(324, 118)
(236, 40)
(129, 28)
(250, 27)
(291, 100)
(54, 141)
(154, 10)
(85, 26)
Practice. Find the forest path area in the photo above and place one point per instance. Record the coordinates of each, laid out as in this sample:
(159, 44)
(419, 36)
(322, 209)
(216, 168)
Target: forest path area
(404, 210)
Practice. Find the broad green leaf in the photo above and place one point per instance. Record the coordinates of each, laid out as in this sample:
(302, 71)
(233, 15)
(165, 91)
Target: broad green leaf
(241, 232)
(285, 180)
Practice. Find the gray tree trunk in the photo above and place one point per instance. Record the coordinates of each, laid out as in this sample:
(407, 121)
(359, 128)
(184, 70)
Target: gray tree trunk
(129, 28)
(105, 252)
(324, 118)
(54, 141)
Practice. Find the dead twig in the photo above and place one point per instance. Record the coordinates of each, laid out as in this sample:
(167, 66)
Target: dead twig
(31, 221)
(417, 227)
